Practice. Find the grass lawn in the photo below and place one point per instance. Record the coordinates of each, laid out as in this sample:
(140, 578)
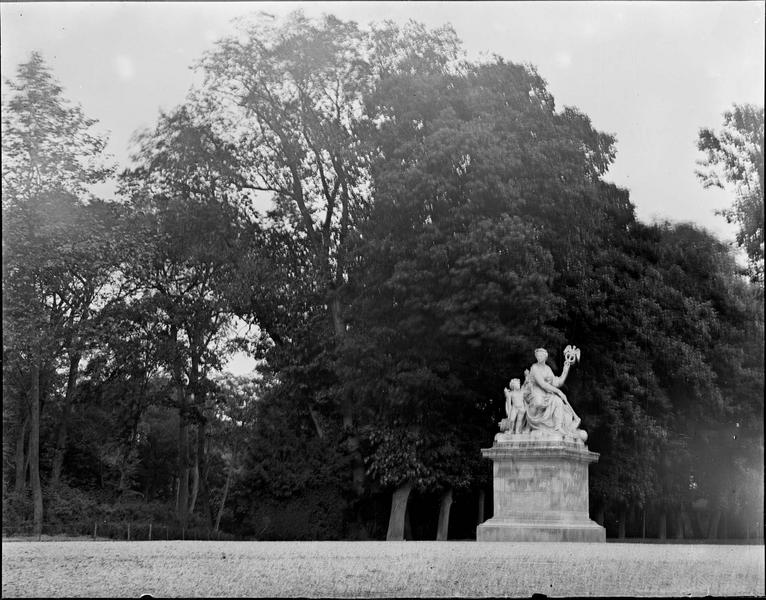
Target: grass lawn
(378, 569)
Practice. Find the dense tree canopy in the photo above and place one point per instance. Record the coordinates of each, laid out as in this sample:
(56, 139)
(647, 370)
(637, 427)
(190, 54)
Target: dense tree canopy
(431, 221)
(58, 249)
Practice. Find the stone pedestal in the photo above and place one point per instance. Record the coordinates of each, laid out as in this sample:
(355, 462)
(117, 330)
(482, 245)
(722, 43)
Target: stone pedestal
(540, 492)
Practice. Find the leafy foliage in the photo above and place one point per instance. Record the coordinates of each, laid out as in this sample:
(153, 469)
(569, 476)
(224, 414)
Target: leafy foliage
(735, 155)
(432, 221)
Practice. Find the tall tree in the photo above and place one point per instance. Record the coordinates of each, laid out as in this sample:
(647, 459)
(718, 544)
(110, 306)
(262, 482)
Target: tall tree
(472, 222)
(196, 231)
(662, 313)
(235, 408)
(50, 158)
(734, 155)
(295, 92)
(303, 88)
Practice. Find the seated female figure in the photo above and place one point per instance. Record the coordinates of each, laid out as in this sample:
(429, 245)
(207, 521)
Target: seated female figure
(547, 406)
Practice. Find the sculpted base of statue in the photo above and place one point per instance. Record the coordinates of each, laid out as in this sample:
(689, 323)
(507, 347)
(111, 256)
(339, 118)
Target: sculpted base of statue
(539, 409)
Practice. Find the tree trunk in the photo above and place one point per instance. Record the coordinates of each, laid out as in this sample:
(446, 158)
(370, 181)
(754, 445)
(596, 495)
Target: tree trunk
(663, 527)
(337, 317)
(183, 460)
(679, 523)
(480, 515)
(317, 423)
(621, 525)
(408, 524)
(199, 401)
(71, 386)
(725, 524)
(125, 459)
(26, 468)
(21, 456)
(357, 464)
(122, 485)
(643, 522)
(204, 490)
(702, 522)
(225, 494)
(183, 435)
(347, 406)
(194, 485)
(398, 510)
(712, 532)
(687, 525)
(34, 450)
(444, 507)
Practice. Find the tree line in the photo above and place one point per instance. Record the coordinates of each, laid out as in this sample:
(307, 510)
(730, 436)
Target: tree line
(429, 221)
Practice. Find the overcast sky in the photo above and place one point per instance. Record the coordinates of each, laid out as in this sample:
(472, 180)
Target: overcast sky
(651, 73)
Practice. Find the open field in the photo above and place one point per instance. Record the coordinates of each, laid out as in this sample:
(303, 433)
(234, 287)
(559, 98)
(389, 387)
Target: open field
(378, 569)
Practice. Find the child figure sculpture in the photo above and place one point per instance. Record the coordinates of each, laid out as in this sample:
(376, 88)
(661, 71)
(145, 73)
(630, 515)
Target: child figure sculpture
(514, 406)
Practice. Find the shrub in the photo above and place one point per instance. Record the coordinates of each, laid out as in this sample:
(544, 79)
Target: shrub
(65, 505)
(17, 511)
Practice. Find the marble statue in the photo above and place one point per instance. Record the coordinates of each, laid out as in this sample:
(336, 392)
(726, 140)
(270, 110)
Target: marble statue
(514, 406)
(540, 463)
(547, 406)
(539, 407)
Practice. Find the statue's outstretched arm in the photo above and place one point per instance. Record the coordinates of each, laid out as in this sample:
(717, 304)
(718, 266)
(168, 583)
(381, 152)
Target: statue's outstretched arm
(559, 381)
(571, 354)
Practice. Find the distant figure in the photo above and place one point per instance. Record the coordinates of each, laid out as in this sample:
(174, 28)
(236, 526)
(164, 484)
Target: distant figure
(514, 406)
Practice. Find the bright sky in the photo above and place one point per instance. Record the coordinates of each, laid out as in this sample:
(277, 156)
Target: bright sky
(651, 73)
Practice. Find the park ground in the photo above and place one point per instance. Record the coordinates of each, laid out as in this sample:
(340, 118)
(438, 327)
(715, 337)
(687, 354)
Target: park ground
(378, 569)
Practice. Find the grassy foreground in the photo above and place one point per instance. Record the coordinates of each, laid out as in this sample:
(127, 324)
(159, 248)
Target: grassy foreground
(378, 569)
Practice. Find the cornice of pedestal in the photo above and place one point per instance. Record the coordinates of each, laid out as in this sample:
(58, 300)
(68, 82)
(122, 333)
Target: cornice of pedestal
(537, 448)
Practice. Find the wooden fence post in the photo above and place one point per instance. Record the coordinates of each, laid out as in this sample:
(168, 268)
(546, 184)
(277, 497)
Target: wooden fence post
(150, 532)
